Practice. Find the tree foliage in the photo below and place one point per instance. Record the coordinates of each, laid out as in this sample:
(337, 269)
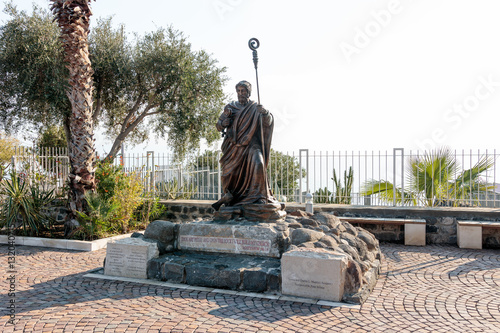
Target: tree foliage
(154, 84)
(284, 174)
(7, 146)
(209, 158)
(33, 78)
(52, 136)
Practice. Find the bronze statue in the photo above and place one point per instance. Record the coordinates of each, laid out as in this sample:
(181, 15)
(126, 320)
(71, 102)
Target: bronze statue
(248, 130)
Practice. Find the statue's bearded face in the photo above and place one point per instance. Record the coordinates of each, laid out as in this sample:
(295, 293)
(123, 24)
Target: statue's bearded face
(242, 95)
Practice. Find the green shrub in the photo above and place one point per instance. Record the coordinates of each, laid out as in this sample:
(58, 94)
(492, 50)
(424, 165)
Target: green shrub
(99, 221)
(172, 190)
(109, 178)
(111, 209)
(149, 210)
(323, 196)
(24, 202)
(127, 198)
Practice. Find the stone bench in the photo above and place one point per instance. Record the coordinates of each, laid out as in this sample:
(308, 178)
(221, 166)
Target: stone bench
(470, 233)
(414, 228)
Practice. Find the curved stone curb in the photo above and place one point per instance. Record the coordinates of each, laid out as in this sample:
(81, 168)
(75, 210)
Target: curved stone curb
(68, 244)
(227, 292)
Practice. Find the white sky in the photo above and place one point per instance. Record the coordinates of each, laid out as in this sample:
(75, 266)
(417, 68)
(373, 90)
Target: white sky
(347, 75)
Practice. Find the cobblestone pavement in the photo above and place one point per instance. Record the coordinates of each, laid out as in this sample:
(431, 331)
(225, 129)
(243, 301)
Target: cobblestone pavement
(421, 289)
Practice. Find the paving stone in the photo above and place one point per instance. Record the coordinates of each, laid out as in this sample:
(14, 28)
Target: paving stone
(420, 289)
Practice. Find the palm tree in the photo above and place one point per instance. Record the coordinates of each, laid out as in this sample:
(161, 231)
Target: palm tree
(73, 18)
(432, 183)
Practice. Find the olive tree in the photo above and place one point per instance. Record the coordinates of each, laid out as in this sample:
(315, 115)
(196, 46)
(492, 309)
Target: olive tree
(151, 84)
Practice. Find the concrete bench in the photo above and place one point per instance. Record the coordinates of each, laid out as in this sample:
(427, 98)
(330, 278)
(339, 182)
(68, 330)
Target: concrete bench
(414, 228)
(470, 233)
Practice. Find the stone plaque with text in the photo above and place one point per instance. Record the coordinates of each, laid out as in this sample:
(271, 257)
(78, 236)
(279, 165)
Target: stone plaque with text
(226, 244)
(313, 273)
(262, 239)
(129, 257)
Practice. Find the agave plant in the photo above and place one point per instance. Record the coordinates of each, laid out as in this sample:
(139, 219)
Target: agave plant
(431, 181)
(24, 203)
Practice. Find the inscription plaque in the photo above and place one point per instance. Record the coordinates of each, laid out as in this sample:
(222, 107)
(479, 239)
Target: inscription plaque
(314, 274)
(129, 258)
(261, 239)
(227, 244)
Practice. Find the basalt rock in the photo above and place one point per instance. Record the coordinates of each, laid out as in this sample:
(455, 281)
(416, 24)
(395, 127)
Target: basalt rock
(340, 237)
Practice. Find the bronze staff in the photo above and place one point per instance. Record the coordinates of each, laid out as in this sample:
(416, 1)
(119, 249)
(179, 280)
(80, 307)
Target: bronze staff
(254, 44)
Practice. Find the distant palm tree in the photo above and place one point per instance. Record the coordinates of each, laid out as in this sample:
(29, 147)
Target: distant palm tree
(432, 183)
(73, 18)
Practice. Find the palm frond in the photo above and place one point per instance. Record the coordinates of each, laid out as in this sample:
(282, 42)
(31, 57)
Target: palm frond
(385, 190)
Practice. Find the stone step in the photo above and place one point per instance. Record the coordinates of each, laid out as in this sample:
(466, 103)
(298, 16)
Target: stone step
(227, 271)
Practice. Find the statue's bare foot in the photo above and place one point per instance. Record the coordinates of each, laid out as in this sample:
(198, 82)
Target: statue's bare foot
(224, 200)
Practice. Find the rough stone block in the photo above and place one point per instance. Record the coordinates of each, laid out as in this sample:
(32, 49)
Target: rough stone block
(432, 229)
(302, 235)
(254, 280)
(176, 209)
(370, 240)
(164, 233)
(415, 234)
(154, 269)
(173, 272)
(129, 257)
(274, 279)
(206, 275)
(314, 273)
(160, 230)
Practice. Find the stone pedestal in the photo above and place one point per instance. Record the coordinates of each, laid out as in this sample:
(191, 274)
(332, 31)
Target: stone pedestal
(129, 257)
(470, 236)
(261, 239)
(272, 212)
(313, 273)
(415, 234)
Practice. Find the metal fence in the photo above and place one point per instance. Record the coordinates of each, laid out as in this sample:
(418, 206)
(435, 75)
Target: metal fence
(394, 178)
(402, 178)
(48, 167)
(197, 177)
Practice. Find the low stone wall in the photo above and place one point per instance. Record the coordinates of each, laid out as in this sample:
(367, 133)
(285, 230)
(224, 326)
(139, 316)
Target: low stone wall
(441, 221)
(188, 210)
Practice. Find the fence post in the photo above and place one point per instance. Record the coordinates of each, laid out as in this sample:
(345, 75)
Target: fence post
(394, 175)
(300, 172)
(152, 171)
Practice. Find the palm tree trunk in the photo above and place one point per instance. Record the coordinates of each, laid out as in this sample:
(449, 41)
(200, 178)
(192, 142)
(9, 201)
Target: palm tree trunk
(73, 19)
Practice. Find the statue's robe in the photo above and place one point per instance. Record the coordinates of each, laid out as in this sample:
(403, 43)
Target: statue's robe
(243, 162)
